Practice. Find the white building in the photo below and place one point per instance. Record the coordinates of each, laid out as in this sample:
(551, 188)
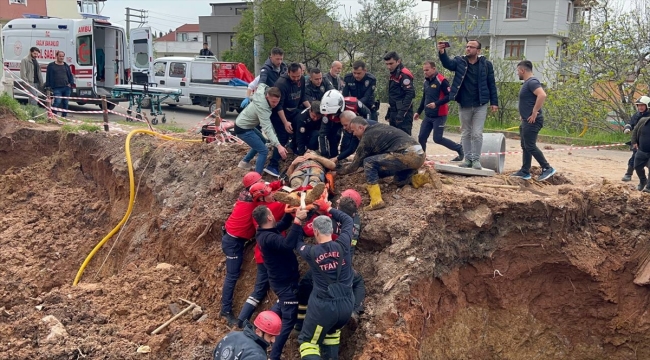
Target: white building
(186, 40)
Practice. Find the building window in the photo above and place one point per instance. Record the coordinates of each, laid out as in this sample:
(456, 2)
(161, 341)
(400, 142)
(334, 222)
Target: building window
(568, 12)
(208, 39)
(183, 37)
(514, 49)
(18, 2)
(578, 14)
(516, 9)
(239, 11)
(177, 70)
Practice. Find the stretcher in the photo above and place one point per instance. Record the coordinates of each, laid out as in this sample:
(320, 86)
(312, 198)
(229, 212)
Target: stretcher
(136, 94)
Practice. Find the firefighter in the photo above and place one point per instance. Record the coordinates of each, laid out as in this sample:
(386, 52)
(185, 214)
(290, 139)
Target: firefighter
(292, 89)
(316, 87)
(362, 84)
(282, 266)
(643, 109)
(641, 143)
(332, 105)
(400, 93)
(250, 344)
(308, 124)
(434, 104)
(331, 301)
(385, 151)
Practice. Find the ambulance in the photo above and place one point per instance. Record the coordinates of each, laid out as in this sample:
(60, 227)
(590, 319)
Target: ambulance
(98, 52)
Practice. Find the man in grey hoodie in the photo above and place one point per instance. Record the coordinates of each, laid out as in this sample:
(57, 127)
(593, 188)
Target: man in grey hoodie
(258, 112)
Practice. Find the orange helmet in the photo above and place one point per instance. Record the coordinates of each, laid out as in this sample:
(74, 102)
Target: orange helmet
(352, 194)
(251, 178)
(259, 190)
(269, 322)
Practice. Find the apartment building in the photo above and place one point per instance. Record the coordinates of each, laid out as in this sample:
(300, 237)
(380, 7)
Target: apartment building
(219, 28)
(511, 29)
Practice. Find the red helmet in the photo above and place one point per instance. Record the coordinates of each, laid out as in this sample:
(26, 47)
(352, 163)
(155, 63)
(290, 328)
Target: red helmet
(269, 322)
(352, 194)
(251, 178)
(259, 190)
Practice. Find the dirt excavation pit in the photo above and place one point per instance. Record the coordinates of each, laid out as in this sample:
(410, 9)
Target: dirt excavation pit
(468, 271)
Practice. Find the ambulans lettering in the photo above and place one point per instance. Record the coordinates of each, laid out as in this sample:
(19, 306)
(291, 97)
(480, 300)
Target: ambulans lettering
(48, 43)
(85, 29)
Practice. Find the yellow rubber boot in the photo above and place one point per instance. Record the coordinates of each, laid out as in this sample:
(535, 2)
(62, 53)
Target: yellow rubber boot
(376, 201)
(420, 179)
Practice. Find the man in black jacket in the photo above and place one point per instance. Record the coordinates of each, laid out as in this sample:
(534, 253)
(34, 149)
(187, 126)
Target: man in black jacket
(273, 68)
(400, 93)
(308, 124)
(292, 88)
(205, 51)
(473, 88)
(281, 265)
(642, 106)
(361, 84)
(316, 87)
(250, 344)
(434, 103)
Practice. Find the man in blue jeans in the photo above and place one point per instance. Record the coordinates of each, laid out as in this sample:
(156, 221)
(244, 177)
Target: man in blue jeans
(434, 103)
(59, 78)
(258, 112)
(473, 87)
(531, 99)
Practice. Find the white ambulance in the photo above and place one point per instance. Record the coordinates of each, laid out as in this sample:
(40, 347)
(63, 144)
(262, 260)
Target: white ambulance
(97, 51)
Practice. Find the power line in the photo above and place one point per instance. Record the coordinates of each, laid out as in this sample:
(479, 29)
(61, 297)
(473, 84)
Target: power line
(140, 18)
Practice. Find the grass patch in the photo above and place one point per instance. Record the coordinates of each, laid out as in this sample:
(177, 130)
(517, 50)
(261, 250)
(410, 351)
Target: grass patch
(9, 105)
(171, 127)
(81, 127)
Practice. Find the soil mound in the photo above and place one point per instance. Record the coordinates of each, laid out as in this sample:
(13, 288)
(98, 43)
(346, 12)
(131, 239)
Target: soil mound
(468, 271)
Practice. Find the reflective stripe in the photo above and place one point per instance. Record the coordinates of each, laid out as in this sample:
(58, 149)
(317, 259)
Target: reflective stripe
(252, 301)
(302, 307)
(301, 316)
(354, 242)
(333, 339)
(307, 349)
(314, 339)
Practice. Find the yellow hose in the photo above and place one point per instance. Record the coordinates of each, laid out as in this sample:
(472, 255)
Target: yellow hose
(131, 196)
(584, 129)
(513, 128)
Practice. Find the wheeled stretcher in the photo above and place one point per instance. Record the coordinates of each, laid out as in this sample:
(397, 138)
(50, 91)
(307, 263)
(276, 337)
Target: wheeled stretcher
(136, 94)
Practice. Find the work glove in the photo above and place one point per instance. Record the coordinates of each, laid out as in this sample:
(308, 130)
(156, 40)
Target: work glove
(276, 185)
(245, 102)
(626, 131)
(323, 205)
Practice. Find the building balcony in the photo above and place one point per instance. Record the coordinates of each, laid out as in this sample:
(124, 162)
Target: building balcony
(454, 28)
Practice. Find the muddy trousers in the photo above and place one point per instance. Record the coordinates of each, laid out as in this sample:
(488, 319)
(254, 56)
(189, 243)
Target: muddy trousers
(641, 159)
(233, 248)
(306, 286)
(287, 309)
(402, 166)
(259, 292)
(321, 333)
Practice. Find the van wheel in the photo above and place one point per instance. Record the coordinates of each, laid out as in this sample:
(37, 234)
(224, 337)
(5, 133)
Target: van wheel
(110, 106)
(212, 108)
(81, 103)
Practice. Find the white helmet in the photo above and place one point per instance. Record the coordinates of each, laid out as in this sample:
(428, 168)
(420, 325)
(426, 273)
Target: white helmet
(332, 102)
(643, 100)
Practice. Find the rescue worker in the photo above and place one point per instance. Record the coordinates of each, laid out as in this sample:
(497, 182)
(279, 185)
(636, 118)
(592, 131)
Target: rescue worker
(332, 105)
(308, 124)
(261, 193)
(385, 151)
(641, 143)
(282, 266)
(643, 109)
(252, 343)
(273, 68)
(331, 301)
(334, 76)
(435, 99)
(350, 142)
(400, 93)
(292, 89)
(316, 87)
(361, 84)
(349, 203)
(307, 173)
(259, 112)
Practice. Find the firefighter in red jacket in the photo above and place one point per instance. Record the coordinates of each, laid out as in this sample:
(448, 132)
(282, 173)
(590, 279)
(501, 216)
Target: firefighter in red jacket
(332, 105)
(434, 102)
(400, 93)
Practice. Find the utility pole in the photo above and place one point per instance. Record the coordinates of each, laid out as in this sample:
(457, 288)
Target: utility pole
(140, 18)
(258, 41)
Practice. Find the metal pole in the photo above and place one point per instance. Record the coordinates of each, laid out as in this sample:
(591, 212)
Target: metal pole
(258, 40)
(128, 21)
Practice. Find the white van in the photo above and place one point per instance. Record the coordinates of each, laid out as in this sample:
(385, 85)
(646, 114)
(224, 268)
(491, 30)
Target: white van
(97, 52)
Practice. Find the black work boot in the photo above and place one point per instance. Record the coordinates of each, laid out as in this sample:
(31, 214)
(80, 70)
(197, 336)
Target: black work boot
(628, 174)
(230, 318)
(461, 155)
(642, 183)
(646, 189)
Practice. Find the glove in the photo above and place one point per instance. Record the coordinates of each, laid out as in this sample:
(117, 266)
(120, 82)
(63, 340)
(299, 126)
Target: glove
(276, 185)
(323, 205)
(626, 131)
(245, 102)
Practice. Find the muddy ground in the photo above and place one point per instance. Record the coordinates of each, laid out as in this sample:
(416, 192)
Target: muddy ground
(465, 272)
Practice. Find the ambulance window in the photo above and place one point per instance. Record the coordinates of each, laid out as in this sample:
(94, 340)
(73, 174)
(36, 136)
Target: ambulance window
(159, 68)
(141, 50)
(85, 50)
(177, 70)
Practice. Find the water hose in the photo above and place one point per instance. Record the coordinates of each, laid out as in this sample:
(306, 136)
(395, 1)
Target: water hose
(131, 196)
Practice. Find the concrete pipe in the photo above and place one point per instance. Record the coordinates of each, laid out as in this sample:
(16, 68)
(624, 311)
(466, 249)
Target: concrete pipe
(494, 143)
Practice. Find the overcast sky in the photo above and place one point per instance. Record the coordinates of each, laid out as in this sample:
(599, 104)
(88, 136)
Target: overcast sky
(170, 14)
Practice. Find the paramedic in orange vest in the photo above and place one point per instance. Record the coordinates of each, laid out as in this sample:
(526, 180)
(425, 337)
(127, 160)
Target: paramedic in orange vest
(435, 105)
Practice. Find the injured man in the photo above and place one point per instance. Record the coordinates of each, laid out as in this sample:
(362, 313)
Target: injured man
(308, 177)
